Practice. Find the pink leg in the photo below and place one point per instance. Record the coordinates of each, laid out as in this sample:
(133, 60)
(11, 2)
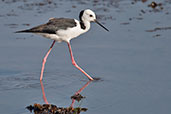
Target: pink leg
(44, 60)
(75, 64)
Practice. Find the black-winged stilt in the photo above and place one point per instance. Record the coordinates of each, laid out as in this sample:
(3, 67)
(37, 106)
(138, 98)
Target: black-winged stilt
(64, 29)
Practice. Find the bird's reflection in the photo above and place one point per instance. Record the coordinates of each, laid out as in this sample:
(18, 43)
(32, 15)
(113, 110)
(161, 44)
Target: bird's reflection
(43, 92)
(53, 109)
(77, 95)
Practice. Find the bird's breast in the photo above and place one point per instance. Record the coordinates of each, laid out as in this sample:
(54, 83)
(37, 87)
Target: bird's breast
(70, 33)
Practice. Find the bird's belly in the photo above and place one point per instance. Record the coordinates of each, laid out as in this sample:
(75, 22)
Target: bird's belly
(63, 35)
(51, 36)
(70, 33)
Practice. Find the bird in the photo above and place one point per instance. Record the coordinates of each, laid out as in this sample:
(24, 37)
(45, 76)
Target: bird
(63, 30)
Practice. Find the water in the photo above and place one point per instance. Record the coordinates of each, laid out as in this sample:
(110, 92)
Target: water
(132, 61)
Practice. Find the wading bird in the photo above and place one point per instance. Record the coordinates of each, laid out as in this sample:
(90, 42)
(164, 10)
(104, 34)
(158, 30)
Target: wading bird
(64, 29)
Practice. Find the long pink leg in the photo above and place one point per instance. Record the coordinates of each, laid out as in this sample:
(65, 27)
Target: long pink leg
(75, 64)
(44, 60)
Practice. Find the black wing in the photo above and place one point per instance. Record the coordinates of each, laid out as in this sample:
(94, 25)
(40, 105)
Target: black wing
(52, 26)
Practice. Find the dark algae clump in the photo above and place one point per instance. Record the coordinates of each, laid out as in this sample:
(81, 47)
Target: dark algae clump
(53, 109)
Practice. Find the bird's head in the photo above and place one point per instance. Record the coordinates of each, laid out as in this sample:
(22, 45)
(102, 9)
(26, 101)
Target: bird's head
(90, 16)
(87, 15)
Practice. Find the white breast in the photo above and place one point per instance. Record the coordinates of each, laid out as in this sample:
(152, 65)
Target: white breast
(68, 34)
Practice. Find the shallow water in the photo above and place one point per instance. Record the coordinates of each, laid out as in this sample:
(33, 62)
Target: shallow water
(132, 60)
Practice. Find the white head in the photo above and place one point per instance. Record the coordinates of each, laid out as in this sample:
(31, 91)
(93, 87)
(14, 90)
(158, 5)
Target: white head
(89, 15)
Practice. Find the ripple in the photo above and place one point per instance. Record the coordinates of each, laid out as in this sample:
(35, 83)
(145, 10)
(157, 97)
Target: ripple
(19, 81)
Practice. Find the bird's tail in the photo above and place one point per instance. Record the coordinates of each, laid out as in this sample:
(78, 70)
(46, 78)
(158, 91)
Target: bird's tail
(28, 30)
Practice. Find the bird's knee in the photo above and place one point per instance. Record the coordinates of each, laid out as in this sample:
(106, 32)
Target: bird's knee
(75, 64)
(44, 60)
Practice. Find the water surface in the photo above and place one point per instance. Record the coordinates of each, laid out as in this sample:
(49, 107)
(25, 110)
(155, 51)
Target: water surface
(132, 60)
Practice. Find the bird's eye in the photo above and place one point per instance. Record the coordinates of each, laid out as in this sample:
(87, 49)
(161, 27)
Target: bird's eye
(91, 15)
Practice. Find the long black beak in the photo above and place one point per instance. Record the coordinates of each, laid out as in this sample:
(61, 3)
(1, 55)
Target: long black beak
(101, 25)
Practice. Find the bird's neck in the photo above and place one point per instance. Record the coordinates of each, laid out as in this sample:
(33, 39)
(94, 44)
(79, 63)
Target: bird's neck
(85, 25)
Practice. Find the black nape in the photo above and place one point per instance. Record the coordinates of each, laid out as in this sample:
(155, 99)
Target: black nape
(82, 25)
(81, 21)
(81, 14)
